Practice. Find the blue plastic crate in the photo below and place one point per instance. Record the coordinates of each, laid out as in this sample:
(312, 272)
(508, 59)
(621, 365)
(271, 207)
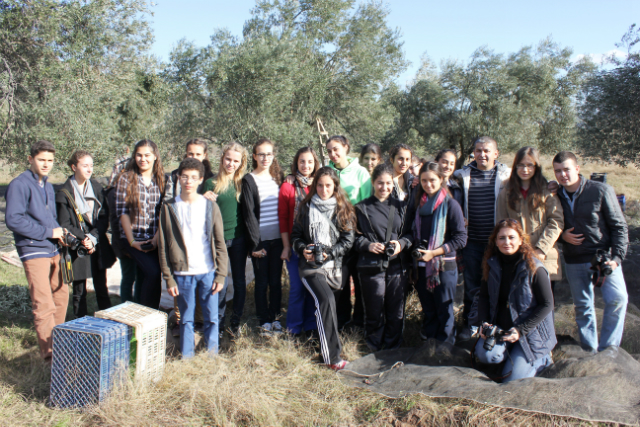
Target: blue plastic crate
(90, 356)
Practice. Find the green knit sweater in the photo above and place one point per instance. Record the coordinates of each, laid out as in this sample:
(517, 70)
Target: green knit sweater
(230, 210)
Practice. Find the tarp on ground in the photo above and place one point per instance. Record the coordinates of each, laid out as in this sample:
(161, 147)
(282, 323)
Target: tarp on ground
(602, 387)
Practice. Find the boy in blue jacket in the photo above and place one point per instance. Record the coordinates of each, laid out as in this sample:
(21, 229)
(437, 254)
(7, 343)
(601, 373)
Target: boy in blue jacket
(31, 215)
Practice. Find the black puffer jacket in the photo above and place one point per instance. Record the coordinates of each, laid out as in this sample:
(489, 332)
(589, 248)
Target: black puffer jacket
(597, 216)
(300, 238)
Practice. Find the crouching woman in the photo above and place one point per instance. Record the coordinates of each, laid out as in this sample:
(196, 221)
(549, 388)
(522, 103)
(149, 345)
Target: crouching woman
(326, 220)
(515, 295)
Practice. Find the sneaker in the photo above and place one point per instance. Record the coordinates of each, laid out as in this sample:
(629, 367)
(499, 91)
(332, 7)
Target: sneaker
(267, 330)
(423, 337)
(175, 331)
(339, 366)
(276, 327)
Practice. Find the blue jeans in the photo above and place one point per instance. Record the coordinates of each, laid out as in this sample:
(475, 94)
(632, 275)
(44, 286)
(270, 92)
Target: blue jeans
(237, 250)
(131, 274)
(187, 286)
(300, 313)
(268, 272)
(614, 294)
(472, 256)
(516, 362)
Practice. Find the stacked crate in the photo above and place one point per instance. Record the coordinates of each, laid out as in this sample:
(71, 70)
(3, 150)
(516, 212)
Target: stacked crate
(90, 356)
(148, 346)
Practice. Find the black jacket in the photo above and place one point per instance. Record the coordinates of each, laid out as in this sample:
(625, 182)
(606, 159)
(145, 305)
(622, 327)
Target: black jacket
(596, 215)
(68, 219)
(300, 238)
(367, 235)
(408, 180)
(114, 222)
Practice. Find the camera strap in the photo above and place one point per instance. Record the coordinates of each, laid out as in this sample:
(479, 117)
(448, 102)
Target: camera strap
(83, 224)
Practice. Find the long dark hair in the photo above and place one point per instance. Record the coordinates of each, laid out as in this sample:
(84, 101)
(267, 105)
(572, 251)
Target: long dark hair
(430, 167)
(492, 248)
(538, 182)
(132, 171)
(274, 170)
(341, 139)
(316, 162)
(344, 210)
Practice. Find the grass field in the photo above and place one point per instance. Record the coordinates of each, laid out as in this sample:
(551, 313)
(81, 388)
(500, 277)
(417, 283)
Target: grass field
(254, 381)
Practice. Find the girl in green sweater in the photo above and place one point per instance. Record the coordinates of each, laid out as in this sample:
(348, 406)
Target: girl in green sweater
(224, 189)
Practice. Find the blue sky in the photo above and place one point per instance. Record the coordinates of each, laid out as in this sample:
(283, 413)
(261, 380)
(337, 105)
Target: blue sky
(442, 29)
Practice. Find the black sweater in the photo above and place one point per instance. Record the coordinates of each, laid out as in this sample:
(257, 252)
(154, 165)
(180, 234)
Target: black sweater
(374, 228)
(540, 286)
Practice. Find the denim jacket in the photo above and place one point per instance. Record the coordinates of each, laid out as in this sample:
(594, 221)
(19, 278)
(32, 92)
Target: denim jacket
(542, 339)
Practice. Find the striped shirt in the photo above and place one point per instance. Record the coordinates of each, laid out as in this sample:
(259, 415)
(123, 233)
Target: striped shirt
(269, 221)
(482, 204)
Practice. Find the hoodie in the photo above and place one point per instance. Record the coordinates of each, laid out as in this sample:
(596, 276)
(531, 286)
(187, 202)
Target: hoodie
(354, 180)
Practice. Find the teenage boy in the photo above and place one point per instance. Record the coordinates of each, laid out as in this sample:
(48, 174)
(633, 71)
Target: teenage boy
(31, 215)
(193, 255)
(593, 221)
(482, 180)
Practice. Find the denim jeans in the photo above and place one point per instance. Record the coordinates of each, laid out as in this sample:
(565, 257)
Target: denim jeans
(614, 294)
(237, 250)
(516, 365)
(132, 277)
(300, 313)
(472, 256)
(187, 286)
(268, 272)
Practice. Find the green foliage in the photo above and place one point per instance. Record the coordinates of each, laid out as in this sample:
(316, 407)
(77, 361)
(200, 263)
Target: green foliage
(76, 73)
(525, 98)
(610, 110)
(297, 61)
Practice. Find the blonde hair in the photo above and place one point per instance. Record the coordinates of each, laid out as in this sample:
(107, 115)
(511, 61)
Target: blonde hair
(222, 180)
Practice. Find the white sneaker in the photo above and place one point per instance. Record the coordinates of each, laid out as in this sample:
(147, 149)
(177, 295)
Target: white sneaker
(267, 330)
(276, 327)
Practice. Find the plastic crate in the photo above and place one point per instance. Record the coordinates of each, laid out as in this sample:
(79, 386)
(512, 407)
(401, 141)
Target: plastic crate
(148, 347)
(90, 356)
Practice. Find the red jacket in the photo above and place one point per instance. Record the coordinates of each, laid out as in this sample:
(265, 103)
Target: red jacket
(286, 205)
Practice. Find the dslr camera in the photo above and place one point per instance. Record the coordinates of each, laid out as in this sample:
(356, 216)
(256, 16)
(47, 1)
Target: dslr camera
(75, 245)
(422, 246)
(317, 249)
(600, 269)
(492, 333)
(389, 249)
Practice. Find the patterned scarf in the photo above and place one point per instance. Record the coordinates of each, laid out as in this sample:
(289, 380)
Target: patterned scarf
(86, 199)
(320, 214)
(304, 181)
(438, 207)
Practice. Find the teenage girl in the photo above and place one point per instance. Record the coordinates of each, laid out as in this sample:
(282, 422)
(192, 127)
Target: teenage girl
(370, 156)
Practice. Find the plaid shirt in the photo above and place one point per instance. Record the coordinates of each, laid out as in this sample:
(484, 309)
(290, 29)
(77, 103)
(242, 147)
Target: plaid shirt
(118, 166)
(145, 226)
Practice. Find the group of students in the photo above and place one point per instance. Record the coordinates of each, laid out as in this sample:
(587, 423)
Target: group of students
(384, 224)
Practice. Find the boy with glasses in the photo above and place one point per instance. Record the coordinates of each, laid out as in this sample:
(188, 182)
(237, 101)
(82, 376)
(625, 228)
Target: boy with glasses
(193, 256)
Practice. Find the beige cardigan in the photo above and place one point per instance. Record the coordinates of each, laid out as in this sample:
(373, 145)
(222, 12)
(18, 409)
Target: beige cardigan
(543, 226)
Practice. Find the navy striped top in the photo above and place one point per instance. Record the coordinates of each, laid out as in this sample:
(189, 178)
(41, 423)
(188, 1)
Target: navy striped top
(482, 204)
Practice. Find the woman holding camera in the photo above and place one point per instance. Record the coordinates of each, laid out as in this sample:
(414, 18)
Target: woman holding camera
(515, 295)
(322, 235)
(84, 213)
(438, 230)
(382, 272)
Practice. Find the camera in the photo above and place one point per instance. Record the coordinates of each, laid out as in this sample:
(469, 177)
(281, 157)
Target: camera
(600, 269)
(317, 249)
(422, 246)
(492, 333)
(75, 245)
(389, 249)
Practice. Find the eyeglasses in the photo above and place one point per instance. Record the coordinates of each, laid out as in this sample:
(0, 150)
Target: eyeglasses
(522, 167)
(186, 178)
(265, 155)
